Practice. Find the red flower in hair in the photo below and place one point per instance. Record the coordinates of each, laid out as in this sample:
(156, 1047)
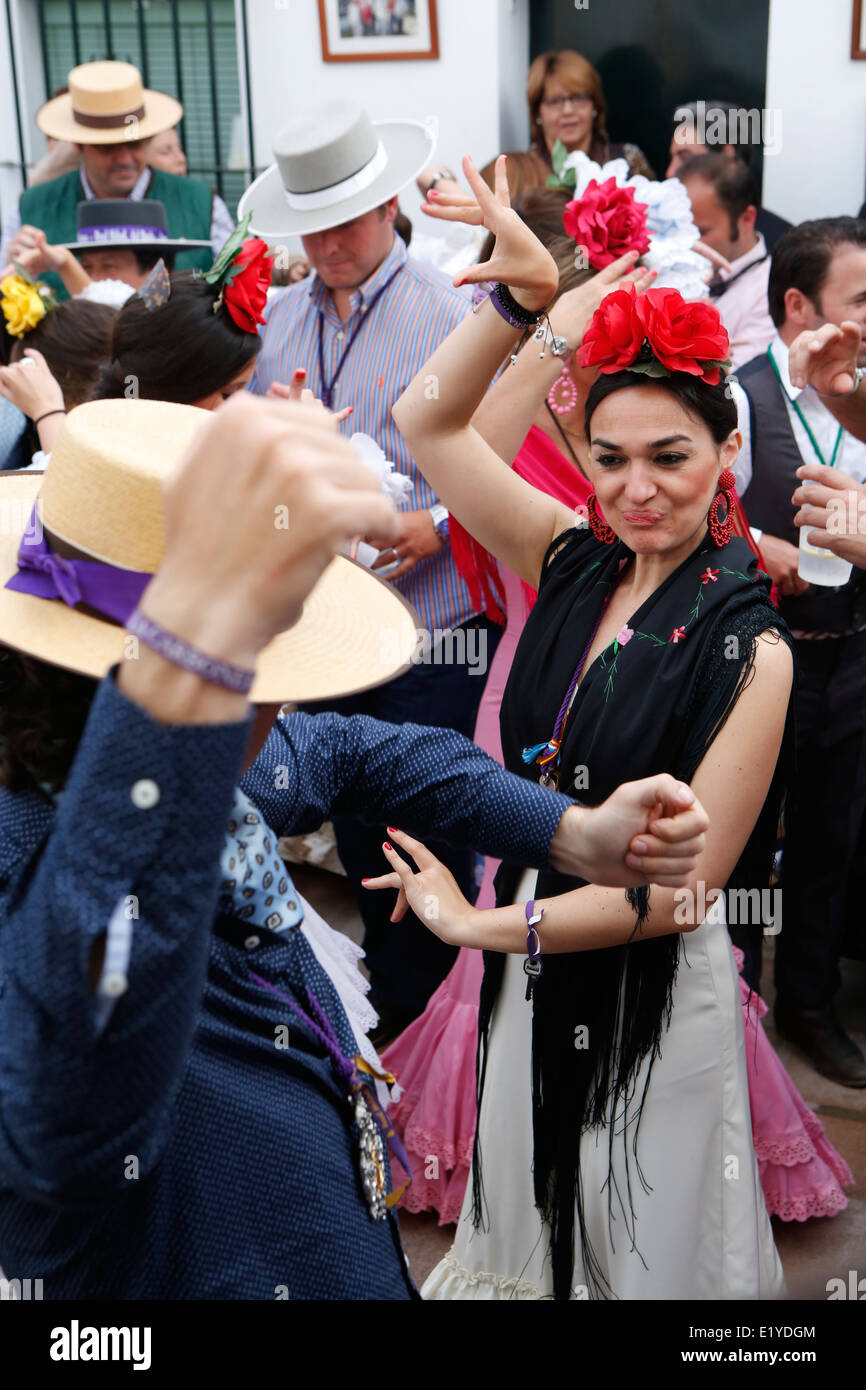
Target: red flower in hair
(615, 334)
(657, 333)
(607, 221)
(245, 291)
(684, 335)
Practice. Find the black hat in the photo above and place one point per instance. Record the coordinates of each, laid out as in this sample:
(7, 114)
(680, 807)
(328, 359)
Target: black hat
(130, 224)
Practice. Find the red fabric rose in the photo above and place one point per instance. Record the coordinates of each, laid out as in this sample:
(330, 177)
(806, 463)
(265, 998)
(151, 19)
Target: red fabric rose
(615, 333)
(684, 335)
(607, 221)
(247, 294)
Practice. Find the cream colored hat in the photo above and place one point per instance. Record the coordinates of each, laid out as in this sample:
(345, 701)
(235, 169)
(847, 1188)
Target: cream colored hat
(100, 500)
(332, 164)
(107, 104)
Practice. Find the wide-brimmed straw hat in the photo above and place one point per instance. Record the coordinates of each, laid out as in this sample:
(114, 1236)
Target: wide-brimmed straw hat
(107, 104)
(128, 224)
(100, 501)
(332, 164)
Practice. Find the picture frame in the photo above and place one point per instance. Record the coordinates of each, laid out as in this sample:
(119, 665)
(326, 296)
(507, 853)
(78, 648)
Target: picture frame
(378, 31)
(858, 30)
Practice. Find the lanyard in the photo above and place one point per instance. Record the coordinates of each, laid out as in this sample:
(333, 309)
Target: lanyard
(803, 421)
(328, 386)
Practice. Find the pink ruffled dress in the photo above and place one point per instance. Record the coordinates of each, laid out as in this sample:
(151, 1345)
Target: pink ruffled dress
(801, 1173)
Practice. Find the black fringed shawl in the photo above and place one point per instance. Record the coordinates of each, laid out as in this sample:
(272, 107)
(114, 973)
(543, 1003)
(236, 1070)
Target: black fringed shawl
(652, 705)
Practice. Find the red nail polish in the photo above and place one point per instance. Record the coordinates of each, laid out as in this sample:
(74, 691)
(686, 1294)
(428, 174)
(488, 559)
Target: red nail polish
(365, 880)
(390, 847)
(390, 829)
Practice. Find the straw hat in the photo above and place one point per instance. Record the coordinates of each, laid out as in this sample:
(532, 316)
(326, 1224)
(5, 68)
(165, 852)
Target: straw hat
(105, 105)
(100, 499)
(333, 164)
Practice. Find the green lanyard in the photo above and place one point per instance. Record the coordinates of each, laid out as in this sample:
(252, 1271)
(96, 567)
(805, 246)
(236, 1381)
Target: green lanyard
(803, 421)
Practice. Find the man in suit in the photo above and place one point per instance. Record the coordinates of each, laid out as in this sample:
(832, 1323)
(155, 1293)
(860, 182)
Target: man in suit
(818, 277)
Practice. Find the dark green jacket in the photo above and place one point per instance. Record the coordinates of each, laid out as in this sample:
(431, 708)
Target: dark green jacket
(53, 207)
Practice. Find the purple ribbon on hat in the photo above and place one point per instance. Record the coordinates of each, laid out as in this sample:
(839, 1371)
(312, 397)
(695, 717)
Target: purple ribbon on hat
(107, 589)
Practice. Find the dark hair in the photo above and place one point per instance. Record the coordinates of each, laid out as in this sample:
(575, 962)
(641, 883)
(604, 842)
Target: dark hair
(733, 181)
(74, 339)
(145, 259)
(714, 406)
(181, 351)
(802, 256)
(43, 710)
(730, 116)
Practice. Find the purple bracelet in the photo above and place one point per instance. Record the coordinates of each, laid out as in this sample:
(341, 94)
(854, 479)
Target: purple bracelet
(514, 314)
(189, 658)
(532, 965)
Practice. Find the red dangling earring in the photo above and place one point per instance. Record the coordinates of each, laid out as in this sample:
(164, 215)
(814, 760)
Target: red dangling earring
(721, 530)
(600, 529)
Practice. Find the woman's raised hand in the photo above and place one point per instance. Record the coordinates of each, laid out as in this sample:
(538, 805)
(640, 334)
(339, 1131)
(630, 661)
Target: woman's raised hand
(519, 260)
(576, 307)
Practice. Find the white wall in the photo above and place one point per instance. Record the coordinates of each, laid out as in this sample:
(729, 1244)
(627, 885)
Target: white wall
(477, 39)
(820, 94)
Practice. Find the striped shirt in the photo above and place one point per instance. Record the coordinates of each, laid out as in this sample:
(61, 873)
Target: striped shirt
(402, 331)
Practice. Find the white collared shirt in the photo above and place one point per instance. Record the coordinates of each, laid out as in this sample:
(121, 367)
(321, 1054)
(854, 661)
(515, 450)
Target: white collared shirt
(850, 459)
(744, 308)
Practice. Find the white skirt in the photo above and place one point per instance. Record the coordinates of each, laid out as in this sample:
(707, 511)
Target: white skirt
(702, 1231)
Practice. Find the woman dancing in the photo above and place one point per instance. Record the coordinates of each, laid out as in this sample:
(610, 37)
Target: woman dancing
(619, 1161)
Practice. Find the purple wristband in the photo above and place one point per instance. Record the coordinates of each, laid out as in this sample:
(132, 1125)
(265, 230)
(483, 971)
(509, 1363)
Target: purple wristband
(514, 314)
(189, 658)
(532, 964)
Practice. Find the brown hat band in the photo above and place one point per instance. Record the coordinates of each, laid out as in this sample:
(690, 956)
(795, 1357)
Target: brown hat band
(108, 122)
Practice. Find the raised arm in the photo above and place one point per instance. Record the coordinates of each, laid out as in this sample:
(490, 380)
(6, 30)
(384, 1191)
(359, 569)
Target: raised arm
(731, 783)
(509, 408)
(468, 476)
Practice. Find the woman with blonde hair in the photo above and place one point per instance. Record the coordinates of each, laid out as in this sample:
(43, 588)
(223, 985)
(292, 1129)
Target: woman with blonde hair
(566, 104)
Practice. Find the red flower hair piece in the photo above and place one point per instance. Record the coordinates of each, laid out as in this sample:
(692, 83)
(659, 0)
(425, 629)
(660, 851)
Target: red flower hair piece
(607, 221)
(657, 333)
(242, 271)
(246, 293)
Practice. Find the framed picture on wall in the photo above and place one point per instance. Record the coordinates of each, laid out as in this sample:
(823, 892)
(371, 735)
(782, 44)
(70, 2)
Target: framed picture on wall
(358, 31)
(858, 30)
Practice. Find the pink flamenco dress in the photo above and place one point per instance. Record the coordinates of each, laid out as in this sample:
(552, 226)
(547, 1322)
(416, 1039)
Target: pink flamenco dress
(801, 1173)
(434, 1058)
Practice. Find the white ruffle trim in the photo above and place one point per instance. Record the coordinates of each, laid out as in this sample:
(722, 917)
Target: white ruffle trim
(450, 1280)
(339, 956)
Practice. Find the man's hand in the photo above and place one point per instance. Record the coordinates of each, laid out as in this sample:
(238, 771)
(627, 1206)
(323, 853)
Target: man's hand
(825, 358)
(651, 831)
(834, 511)
(25, 239)
(37, 259)
(417, 539)
(781, 560)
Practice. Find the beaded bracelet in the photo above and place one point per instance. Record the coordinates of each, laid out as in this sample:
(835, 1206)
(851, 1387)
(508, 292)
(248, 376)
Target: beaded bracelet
(532, 965)
(189, 658)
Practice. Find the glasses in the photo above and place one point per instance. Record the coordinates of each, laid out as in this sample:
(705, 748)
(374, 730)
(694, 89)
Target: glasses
(558, 103)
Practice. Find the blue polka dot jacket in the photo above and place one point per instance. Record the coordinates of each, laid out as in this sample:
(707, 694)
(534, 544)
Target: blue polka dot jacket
(192, 1141)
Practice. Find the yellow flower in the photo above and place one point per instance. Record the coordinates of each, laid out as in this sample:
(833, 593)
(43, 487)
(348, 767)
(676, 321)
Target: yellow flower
(21, 304)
